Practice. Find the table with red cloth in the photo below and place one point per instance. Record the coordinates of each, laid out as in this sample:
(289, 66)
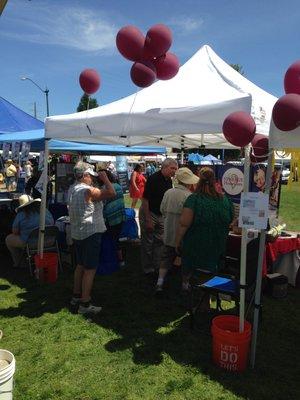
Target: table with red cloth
(282, 256)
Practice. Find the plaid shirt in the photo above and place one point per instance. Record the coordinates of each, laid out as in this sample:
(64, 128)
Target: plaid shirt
(86, 218)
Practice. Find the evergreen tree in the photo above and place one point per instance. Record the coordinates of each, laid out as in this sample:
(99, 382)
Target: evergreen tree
(238, 68)
(87, 103)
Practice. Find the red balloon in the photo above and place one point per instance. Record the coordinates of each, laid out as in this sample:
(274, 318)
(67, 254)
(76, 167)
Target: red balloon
(158, 40)
(292, 78)
(166, 66)
(286, 112)
(239, 128)
(260, 148)
(130, 42)
(89, 81)
(143, 74)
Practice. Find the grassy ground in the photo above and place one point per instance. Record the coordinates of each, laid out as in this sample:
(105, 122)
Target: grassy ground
(140, 347)
(290, 206)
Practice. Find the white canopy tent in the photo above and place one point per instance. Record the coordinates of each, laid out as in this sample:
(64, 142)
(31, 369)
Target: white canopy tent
(185, 112)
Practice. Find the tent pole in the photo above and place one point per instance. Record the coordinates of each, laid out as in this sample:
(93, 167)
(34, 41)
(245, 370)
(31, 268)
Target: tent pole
(262, 239)
(43, 201)
(244, 244)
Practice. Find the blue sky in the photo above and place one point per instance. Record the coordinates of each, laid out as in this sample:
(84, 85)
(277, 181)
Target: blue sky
(52, 41)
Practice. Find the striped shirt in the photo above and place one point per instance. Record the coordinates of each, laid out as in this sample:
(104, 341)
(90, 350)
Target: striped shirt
(86, 218)
(114, 209)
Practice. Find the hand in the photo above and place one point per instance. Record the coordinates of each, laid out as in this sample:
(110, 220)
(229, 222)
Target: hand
(102, 175)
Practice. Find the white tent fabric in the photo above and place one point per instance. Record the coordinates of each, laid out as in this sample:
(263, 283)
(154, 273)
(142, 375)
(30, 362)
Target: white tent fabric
(187, 111)
(283, 140)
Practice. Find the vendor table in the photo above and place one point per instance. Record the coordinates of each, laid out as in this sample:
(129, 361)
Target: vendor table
(282, 256)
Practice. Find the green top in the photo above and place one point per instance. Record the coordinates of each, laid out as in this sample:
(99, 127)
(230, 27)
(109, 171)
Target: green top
(204, 243)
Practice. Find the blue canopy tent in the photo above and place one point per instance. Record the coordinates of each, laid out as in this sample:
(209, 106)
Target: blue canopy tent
(12, 119)
(37, 141)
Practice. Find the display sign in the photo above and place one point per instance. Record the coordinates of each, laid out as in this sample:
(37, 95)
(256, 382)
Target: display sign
(15, 151)
(123, 180)
(254, 210)
(25, 151)
(5, 151)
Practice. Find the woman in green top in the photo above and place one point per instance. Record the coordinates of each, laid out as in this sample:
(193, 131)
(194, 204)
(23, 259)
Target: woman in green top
(204, 227)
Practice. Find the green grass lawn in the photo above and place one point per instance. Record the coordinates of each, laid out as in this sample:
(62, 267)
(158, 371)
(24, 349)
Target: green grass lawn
(289, 210)
(140, 347)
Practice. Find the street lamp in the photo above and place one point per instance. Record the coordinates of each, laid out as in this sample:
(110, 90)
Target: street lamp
(46, 91)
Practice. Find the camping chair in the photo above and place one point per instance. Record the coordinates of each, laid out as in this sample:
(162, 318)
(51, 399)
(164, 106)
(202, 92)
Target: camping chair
(50, 244)
(226, 285)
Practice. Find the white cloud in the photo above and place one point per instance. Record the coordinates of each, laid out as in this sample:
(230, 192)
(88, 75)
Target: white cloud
(74, 26)
(186, 24)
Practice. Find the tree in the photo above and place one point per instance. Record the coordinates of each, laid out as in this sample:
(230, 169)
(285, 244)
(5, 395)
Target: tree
(238, 68)
(87, 102)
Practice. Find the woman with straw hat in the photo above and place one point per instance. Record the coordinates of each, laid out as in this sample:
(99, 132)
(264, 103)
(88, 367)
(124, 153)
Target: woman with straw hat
(27, 219)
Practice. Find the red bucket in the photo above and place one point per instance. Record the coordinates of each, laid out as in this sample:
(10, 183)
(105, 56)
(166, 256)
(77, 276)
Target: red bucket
(230, 347)
(48, 264)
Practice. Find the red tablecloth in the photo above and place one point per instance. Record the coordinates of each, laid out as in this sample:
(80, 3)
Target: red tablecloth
(282, 245)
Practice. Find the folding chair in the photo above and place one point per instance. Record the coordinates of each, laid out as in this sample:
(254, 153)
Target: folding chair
(226, 285)
(50, 244)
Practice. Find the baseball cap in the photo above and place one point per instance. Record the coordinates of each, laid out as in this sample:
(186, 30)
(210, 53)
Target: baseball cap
(85, 168)
(185, 175)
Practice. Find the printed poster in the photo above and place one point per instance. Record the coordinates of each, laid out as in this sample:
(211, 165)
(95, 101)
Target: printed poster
(254, 210)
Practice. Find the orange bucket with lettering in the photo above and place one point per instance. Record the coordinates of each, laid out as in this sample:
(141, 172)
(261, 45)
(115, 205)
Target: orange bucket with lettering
(48, 264)
(230, 347)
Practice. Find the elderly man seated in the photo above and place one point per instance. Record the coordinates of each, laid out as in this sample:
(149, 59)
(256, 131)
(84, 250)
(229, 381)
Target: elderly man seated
(27, 219)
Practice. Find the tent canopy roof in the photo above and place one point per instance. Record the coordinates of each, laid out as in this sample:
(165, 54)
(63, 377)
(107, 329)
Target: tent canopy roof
(187, 111)
(36, 138)
(12, 119)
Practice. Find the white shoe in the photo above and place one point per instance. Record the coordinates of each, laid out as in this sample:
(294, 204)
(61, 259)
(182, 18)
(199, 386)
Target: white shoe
(90, 309)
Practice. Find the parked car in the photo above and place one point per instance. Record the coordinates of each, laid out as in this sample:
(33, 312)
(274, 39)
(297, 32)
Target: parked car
(285, 174)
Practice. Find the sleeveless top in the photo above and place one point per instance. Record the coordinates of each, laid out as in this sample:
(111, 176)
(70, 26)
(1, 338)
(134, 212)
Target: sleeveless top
(86, 218)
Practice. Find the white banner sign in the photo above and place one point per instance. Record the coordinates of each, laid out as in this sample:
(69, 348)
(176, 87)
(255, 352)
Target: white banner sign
(254, 208)
(15, 150)
(25, 151)
(5, 151)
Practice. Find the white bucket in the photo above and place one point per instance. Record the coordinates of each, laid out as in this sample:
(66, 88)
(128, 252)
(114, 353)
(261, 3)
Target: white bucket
(6, 375)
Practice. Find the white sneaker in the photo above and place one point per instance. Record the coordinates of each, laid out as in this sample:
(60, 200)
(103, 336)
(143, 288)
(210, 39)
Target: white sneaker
(90, 309)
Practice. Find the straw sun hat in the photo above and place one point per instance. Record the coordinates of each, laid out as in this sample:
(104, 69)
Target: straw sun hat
(185, 175)
(25, 200)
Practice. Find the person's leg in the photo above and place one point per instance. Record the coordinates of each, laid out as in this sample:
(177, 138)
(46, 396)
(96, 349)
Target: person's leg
(16, 248)
(146, 245)
(133, 202)
(78, 275)
(87, 284)
(167, 258)
(157, 240)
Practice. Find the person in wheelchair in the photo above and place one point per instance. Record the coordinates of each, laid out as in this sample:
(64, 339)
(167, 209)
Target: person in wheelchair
(203, 228)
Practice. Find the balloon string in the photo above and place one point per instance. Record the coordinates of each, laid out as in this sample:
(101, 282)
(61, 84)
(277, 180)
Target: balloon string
(86, 115)
(126, 123)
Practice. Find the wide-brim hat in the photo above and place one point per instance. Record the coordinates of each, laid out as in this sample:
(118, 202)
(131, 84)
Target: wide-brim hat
(25, 200)
(186, 176)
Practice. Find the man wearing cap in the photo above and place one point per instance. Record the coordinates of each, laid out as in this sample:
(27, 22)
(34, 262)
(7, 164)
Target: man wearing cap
(171, 208)
(150, 217)
(27, 219)
(87, 226)
(11, 175)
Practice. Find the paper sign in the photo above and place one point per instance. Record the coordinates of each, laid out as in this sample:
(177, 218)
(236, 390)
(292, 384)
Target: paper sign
(25, 151)
(5, 151)
(254, 208)
(15, 150)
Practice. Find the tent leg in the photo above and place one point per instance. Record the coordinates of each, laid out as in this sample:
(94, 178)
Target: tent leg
(43, 201)
(244, 245)
(262, 240)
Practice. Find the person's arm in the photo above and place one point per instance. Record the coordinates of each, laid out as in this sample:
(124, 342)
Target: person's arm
(95, 194)
(185, 222)
(133, 180)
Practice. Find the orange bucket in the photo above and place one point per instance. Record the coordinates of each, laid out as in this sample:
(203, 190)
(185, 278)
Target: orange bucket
(230, 347)
(48, 264)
